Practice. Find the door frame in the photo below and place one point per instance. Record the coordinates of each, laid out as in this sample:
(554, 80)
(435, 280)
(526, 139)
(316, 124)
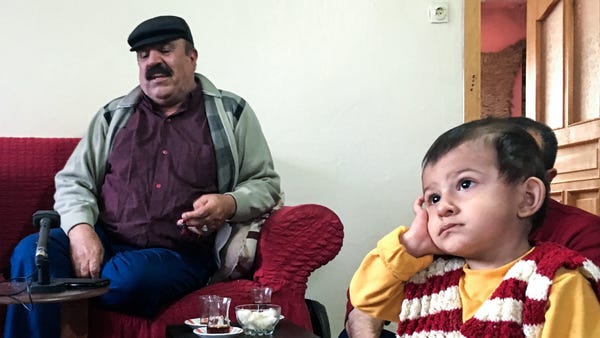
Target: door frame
(472, 60)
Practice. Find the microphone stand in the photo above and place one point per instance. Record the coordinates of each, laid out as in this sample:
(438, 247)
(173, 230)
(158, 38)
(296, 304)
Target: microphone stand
(45, 219)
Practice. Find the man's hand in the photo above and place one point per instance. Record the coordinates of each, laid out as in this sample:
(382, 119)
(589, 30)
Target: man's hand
(87, 251)
(361, 325)
(210, 210)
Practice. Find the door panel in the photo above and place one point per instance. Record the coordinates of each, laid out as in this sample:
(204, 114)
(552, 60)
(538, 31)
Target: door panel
(563, 90)
(586, 66)
(551, 70)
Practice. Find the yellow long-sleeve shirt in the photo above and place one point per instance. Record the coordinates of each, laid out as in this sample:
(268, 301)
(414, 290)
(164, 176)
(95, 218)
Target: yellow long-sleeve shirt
(377, 289)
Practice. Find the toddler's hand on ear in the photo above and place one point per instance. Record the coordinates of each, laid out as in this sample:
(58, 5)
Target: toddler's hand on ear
(417, 240)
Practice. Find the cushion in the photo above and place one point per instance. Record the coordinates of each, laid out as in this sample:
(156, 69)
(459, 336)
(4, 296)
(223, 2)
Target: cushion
(239, 252)
(237, 257)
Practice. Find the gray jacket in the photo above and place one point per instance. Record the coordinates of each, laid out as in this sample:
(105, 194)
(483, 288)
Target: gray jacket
(244, 164)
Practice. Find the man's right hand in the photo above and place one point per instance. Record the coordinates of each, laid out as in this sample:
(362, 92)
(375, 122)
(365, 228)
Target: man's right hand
(361, 325)
(87, 251)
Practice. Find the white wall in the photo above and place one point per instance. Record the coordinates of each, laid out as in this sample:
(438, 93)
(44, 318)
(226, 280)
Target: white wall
(350, 93)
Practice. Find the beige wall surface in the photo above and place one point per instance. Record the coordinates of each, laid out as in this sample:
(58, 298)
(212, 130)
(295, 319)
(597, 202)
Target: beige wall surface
(350, 93)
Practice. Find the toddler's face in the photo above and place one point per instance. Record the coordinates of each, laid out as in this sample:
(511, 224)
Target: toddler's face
(470, 207)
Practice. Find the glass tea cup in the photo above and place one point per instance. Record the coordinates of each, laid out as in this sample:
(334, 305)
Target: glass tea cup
(218, 315)
(261, 294)
(205, 301)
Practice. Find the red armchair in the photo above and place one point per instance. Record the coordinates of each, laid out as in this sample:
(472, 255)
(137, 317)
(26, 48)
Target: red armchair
(294, 242)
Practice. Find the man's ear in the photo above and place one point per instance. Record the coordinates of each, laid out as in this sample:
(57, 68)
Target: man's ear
(534, 193)
(193, 55)
(551, 174)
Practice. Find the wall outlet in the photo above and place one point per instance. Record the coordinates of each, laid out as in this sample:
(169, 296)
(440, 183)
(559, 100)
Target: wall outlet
(438, 12)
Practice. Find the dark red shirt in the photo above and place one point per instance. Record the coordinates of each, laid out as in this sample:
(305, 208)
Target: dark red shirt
(572, 227)
(158, 166)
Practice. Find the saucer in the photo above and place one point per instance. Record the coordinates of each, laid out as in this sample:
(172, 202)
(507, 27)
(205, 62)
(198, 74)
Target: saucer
(201, 331)
(194, 323)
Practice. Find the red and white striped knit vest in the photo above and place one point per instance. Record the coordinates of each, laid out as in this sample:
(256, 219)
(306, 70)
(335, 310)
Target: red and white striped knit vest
(432, 306)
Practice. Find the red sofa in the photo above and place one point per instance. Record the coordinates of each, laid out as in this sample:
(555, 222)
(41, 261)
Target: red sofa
(294, 242)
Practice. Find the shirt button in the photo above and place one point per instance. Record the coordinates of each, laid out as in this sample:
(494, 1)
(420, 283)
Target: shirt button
(168, 120)
(157, 185)
(165, 152)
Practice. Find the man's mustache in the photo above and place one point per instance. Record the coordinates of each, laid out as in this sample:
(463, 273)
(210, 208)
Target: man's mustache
(158, 69)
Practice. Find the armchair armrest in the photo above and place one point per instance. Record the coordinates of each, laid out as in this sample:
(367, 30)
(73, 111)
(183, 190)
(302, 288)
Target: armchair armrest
(294, 242)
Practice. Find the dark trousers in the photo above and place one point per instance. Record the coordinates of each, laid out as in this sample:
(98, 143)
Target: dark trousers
(142, 281)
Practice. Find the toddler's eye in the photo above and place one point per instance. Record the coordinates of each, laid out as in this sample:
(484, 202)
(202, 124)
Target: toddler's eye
(466, 184)
(433, 199)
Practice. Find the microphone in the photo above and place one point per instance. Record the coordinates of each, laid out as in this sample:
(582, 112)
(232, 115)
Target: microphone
(44, 220)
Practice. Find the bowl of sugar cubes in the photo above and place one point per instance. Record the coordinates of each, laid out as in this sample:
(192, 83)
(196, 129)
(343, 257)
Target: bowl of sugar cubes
(258, 319)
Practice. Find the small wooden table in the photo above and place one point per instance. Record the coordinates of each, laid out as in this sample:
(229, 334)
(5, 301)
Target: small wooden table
(74, 311)
(284, 329)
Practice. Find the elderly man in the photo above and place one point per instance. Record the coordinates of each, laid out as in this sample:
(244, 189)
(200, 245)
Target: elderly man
(157, 176)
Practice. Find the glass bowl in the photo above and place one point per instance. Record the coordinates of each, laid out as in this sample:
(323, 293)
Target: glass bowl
(258, 319)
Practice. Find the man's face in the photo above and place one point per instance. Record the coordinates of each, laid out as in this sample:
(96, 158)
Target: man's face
(550, 173)
(166, 72)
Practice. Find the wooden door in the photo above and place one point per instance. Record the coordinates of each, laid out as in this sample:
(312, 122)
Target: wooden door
(563, 90)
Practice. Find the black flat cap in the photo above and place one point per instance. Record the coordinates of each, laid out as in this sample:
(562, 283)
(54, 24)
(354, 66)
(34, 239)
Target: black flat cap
(159, 29)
